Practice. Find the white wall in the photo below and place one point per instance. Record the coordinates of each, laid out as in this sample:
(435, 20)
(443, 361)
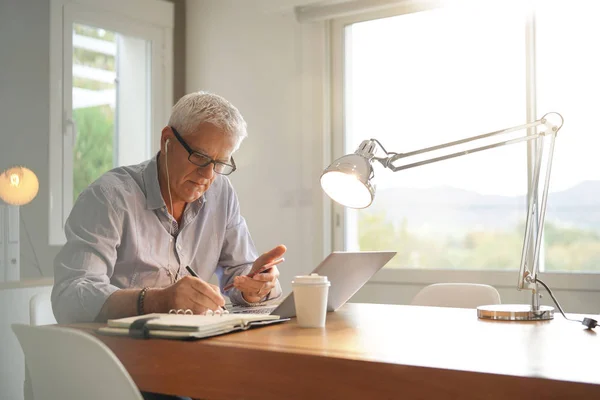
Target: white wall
(24, 115)
(272, 68)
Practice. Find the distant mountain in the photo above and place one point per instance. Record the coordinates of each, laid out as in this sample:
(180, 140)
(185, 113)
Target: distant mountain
(577, 207)
(447, 209)
(586, 193)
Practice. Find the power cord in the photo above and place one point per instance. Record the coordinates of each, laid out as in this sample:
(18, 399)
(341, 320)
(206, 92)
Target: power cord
(37, 261)
(588, 322)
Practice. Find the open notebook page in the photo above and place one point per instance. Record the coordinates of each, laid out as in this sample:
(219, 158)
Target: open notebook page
(193, 323)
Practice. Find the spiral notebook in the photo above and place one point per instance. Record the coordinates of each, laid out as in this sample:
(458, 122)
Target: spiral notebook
(174, 326)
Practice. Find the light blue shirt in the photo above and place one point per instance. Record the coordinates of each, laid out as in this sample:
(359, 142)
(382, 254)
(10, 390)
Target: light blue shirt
(118, 237)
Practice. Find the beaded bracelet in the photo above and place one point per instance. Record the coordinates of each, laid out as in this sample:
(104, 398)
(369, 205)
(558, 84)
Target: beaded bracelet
(140, 304)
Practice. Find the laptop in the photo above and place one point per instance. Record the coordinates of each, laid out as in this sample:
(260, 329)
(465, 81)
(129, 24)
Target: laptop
(347, 271)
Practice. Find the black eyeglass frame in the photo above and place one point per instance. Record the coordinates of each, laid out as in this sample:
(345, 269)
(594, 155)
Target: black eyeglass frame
(192, 152)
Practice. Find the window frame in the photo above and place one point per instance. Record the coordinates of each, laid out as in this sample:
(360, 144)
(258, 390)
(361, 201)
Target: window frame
(420, 277)
(152, 20)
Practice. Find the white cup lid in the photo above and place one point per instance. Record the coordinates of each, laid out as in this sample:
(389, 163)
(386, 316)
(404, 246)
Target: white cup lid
(312, 279)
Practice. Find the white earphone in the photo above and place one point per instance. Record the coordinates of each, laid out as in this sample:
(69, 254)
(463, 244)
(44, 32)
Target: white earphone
(171, 203)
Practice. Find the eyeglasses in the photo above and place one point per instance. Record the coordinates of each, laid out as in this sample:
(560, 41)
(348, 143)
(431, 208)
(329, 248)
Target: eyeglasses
(202, 160)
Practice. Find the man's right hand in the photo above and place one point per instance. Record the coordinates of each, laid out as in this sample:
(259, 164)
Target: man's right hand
(187, 293)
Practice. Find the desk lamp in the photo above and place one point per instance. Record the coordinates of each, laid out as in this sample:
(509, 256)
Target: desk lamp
(348, 181)
(18, 186)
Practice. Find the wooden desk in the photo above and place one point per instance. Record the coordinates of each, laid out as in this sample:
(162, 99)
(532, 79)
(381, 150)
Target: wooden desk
(375, 352)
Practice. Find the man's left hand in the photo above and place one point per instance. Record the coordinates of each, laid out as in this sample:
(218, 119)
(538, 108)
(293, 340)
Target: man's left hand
(256, 288)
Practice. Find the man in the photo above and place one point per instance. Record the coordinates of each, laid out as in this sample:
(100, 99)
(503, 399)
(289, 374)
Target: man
(132, 232)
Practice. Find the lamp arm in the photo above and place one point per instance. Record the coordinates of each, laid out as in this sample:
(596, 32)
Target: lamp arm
(528, 279)
(387, 162)
(393, 157)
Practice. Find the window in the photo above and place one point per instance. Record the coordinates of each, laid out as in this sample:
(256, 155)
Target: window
(110, 92)
(428, 76)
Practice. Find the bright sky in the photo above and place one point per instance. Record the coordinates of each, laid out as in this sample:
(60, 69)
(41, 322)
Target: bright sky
(431, 77)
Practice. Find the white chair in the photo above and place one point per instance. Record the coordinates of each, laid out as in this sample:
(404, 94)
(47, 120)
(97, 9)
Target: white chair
(40, 310)
(459, 295)
(69, 364)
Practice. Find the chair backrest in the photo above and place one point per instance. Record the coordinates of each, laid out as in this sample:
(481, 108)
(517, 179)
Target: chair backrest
(459, 295)
(69, 364)
(40, 310)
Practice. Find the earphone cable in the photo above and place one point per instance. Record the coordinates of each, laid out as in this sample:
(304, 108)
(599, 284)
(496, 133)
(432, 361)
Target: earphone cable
(170, 222)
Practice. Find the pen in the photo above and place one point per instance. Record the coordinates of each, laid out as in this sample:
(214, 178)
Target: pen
(194, 274)
(264, 268)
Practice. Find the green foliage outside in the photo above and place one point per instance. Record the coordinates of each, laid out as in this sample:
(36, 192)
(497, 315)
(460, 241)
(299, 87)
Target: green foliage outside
(96, 33)
(93, 59)
(569, 249)
(566, 249)
(93, 153)
(91, 84)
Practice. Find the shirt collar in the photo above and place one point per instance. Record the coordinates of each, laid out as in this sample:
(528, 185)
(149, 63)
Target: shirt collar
(154, 199)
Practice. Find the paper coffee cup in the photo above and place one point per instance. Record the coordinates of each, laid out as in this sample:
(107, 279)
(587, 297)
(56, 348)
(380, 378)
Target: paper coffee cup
(310, 297)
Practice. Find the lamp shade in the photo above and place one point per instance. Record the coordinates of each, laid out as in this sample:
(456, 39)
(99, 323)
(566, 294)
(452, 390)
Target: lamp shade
(348, 181)
(18, 186)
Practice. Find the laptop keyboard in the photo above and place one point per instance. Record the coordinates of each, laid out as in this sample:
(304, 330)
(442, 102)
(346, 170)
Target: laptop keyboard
(252, 310)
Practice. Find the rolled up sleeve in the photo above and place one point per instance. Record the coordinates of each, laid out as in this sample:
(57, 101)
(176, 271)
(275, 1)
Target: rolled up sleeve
(83, 267)
(238, 254)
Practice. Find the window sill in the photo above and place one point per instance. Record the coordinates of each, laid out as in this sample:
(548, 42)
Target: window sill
(499, 279)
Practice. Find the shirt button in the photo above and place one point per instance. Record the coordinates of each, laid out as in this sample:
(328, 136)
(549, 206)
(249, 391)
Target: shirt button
(179, 247)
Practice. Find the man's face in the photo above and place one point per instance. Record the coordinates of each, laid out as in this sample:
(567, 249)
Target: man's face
(189, 182)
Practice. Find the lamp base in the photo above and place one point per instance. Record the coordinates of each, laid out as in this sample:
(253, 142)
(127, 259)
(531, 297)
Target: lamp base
(514, 312)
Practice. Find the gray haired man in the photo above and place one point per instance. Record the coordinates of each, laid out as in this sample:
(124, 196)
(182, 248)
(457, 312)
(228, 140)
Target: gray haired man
(132, 232)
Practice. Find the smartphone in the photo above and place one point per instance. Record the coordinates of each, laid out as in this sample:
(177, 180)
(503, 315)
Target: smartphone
(267, 267)
(263, 269)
